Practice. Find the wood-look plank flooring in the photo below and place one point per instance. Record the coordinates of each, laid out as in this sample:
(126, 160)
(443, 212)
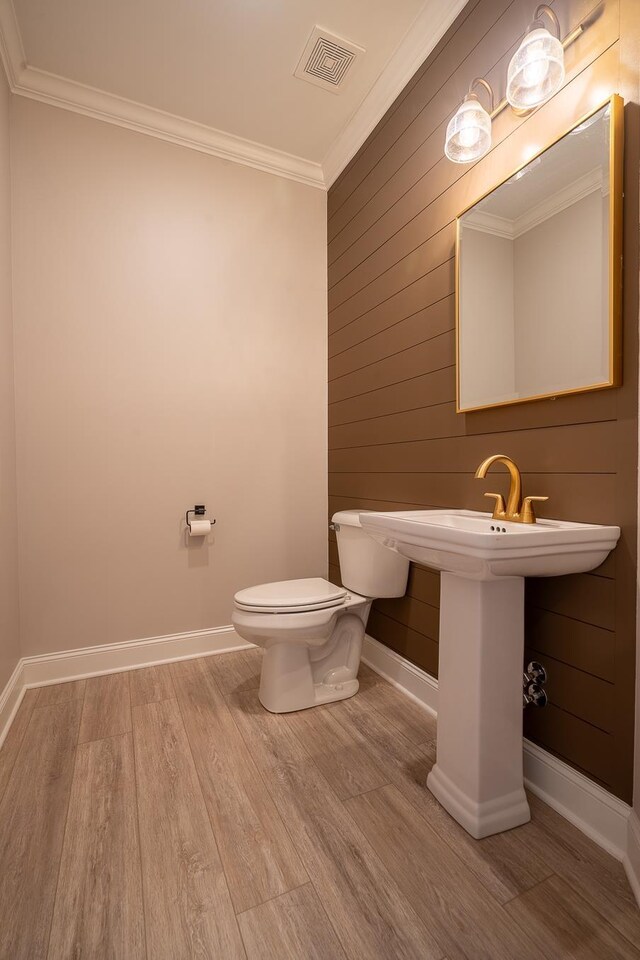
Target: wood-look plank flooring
(164, 814)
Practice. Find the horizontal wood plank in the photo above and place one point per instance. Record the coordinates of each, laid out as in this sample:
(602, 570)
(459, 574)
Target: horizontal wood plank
(587, 498)
(570, 641)
(570, 737)
(395, 440)
(586, 448)
(417, 647)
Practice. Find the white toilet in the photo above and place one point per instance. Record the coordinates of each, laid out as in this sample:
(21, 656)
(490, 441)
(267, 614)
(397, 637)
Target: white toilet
(312, 630)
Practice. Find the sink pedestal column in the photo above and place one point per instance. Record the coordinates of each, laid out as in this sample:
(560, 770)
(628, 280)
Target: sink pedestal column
(478, 773)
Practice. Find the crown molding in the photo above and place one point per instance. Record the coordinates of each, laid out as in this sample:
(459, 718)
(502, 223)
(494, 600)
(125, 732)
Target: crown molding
(489, 223)
(557, 202)
(11, 48)
(24, 80)
(428, 28)
(79, 98)
(50, 88)
(512, 229)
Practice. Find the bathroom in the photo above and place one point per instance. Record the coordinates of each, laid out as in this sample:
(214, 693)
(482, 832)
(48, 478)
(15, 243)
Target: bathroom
(252, 379)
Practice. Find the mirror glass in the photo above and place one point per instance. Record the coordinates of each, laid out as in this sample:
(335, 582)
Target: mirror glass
(534, 275)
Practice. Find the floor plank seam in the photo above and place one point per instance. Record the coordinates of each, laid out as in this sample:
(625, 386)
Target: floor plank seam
(136, 790)
(533, 886)
(161, 700)
(277, 896)
(142, 887)
(364, 793)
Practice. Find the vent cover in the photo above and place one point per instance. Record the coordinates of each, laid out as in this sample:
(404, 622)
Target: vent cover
(327, 59)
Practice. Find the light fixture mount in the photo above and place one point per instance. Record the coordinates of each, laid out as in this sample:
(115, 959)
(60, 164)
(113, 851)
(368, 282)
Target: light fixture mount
(537, 23)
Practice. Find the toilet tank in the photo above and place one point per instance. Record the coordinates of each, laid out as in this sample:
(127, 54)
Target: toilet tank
(366, 567)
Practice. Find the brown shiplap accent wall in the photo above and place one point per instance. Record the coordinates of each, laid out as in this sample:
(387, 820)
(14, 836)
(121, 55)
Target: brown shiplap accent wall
(395, 439)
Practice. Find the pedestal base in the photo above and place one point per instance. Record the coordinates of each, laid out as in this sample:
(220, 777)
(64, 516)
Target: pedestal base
(478, 774)
(479, 819)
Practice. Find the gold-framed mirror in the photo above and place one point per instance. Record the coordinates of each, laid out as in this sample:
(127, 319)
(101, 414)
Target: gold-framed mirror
(539, 272)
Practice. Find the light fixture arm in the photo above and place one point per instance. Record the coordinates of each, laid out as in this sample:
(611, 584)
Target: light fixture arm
(481, 82)
(545, 8)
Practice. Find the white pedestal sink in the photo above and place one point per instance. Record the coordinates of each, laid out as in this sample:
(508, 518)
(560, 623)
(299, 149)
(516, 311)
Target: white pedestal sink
(478, 773)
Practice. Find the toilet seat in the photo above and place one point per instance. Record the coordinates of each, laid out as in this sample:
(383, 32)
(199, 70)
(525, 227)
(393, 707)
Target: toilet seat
(291, 596)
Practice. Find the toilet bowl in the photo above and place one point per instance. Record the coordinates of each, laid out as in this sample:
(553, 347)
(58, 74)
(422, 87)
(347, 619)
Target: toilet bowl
(312, 630)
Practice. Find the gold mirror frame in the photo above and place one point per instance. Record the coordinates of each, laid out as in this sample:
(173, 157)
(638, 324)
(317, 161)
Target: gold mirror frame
(616, 173)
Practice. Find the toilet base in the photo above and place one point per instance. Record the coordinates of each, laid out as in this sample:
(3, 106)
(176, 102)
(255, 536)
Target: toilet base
(299, 675)
(322, 693)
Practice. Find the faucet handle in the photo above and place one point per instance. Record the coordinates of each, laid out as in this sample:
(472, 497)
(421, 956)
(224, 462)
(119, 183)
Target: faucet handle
(528, 516)
(499, 510)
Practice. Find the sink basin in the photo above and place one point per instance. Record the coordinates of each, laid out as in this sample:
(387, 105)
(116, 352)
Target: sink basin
(472, 544)
(478, 773)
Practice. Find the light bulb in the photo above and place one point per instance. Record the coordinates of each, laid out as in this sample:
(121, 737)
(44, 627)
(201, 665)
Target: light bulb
(536, 70)
(469, 136)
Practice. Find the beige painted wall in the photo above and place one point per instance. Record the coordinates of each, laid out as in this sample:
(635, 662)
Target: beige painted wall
(9, 619)
(487, 348)
(170, 314)
(563, 299)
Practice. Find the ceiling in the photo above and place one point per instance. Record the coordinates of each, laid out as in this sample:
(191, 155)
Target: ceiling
(220, 72)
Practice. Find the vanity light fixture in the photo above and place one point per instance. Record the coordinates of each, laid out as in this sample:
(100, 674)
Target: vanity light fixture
(536, 70)
(535, 73)
(469, 131)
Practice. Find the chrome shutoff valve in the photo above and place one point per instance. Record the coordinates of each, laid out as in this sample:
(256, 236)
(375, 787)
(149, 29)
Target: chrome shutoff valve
(533, 692)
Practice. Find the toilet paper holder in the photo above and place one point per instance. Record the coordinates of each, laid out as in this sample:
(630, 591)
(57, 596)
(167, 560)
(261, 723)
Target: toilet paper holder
(198, 510)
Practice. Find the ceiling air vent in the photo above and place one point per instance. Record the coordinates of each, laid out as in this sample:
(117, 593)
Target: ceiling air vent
(327, 59)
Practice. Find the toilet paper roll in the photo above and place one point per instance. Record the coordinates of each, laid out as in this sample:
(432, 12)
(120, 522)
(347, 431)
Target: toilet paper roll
(199, 528)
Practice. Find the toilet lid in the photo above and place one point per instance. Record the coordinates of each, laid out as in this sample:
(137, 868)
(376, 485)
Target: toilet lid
(313, 593)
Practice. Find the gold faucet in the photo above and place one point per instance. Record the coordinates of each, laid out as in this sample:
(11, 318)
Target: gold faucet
(517, 509)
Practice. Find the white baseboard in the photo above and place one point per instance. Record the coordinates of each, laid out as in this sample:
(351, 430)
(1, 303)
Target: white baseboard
(41, 671)
(10, 700)
(115, 657)
(604, 818)
(597, 813)
(631, 858)
(403, 674)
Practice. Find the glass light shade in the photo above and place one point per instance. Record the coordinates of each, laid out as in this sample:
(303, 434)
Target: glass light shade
(536, 70)
(469, 132)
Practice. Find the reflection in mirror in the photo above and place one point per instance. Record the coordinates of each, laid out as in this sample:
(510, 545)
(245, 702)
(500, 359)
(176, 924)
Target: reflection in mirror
(533, 272)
